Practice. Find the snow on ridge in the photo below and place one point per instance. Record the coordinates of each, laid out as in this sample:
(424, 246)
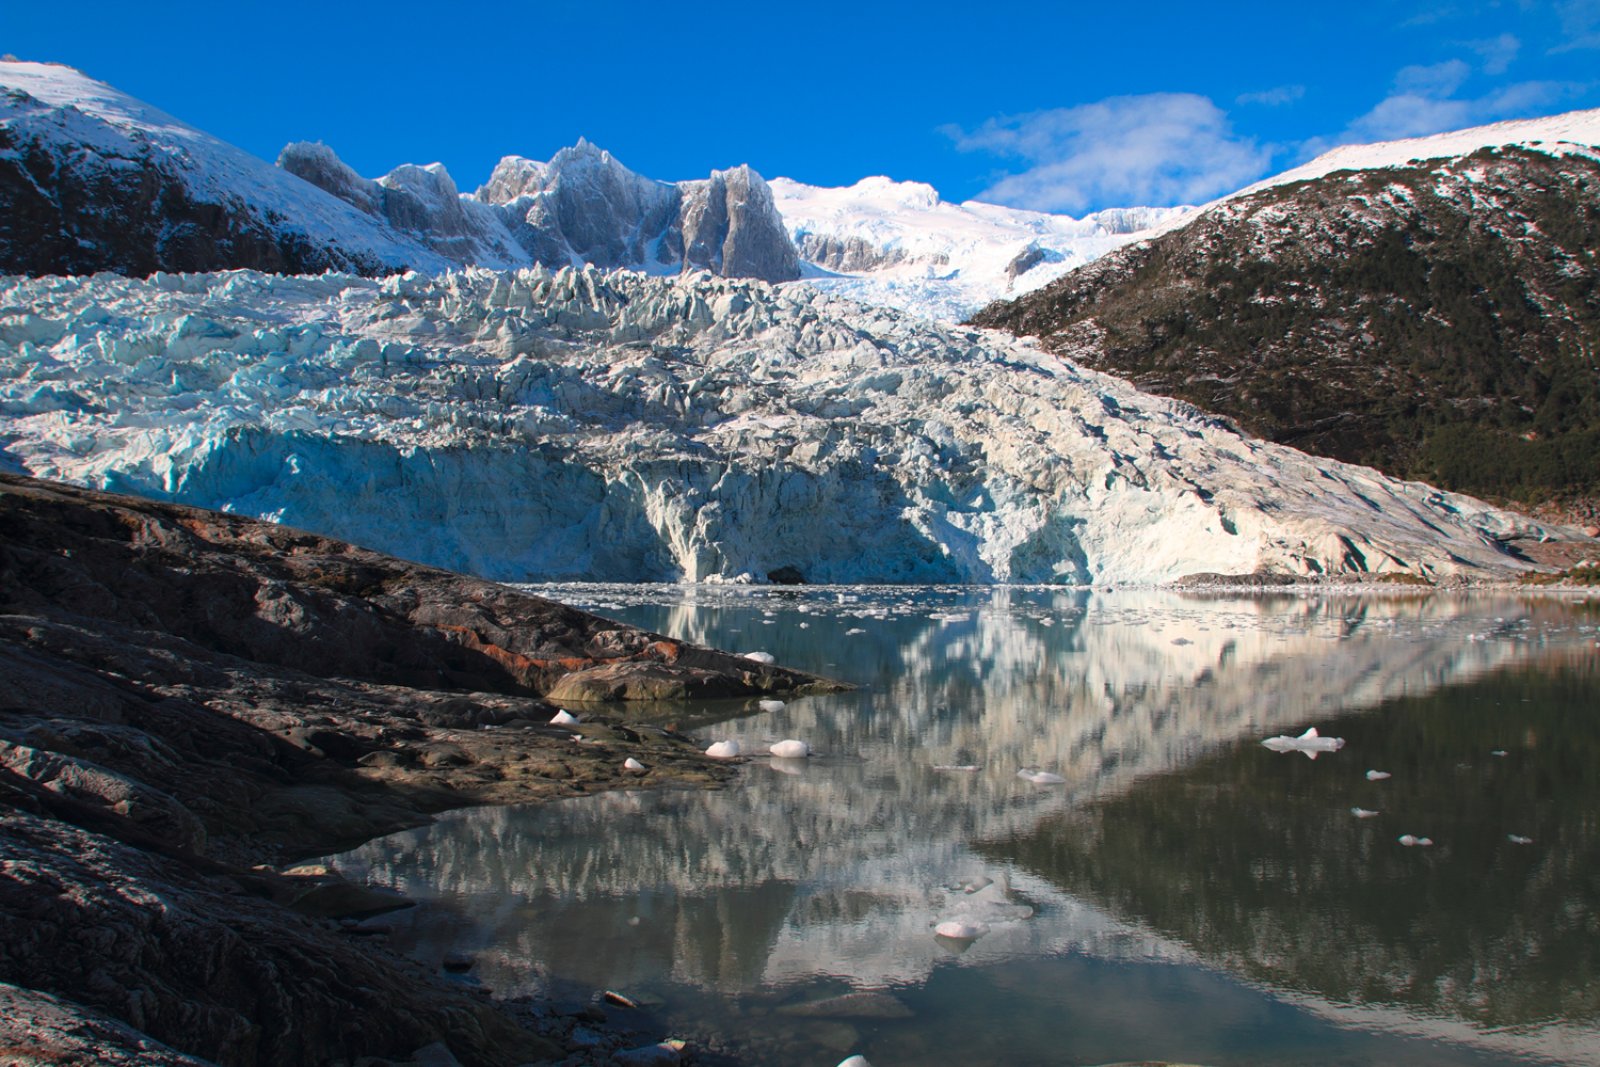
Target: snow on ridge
(533, 425)
(213, 170)
(1576, 132)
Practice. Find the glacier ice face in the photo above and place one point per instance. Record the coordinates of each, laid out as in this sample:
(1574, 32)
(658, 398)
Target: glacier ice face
(533, 425)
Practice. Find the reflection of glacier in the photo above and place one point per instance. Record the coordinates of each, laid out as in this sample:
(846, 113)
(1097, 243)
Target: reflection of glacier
(841, 865)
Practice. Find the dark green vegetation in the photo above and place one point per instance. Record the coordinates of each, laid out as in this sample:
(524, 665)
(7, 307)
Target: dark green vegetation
(1439, 321)
(1255, 860)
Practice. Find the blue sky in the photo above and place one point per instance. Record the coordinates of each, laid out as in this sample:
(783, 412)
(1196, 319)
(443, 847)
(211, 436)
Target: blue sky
(1063, 107)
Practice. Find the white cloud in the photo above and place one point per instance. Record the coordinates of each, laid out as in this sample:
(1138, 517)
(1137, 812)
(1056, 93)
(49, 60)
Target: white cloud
(1425, 100)
(1278, 96)
(1437, 80)
(1497, 53)
(1156, 149)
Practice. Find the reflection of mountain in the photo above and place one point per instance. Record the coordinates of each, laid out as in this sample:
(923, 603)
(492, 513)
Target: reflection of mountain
(845, 865)
(1255, 862)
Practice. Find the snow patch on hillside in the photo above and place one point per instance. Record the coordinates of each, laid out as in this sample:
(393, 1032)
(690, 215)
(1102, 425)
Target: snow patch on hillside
(537, 425)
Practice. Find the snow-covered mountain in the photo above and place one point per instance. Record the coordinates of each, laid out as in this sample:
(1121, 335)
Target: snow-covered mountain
(1426, 306)
(92, 179)
(583, 206)
(898, 244)
(532, 425)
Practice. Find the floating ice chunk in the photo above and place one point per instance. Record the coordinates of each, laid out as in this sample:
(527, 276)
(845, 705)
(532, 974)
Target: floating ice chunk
(960, 930)
(1498, 752)
(1412, 841)
(1311, 743)
(1518, 839)
(1377, 776)
(562, 718)
(761, 657)
(1364, 813)
(723, 750)
(661, 1054)
(851, 633)
(790, 749)
(1040, 777)
(974, 885)
(770, 705)
(966, 768)
(854, 1061)
(631, 764)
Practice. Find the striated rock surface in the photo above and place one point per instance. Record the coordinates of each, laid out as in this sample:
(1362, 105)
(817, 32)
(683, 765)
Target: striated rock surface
(185, 696)
(538, 426)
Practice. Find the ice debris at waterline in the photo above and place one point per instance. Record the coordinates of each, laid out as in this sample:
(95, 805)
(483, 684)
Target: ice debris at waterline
(723, 750)
(957, 930)
(537, 426)
(563, 718)
(1310, 743)
(633, 766)
(1377, 776)
(1365, 813)
(790, 749)
(1040, 777)
(1413, 841)
(770, 705)
(761, 657)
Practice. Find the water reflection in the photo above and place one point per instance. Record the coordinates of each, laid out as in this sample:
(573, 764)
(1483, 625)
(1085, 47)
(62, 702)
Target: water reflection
(1174, 839)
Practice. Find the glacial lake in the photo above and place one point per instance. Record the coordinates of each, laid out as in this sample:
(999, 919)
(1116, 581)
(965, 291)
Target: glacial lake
(1185, 894)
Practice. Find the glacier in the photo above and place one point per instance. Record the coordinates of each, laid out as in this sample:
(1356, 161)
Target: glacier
(535, 425)
(900, 245)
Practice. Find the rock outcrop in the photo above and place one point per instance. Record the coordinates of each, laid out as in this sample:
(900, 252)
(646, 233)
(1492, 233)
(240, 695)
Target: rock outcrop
(185, 696)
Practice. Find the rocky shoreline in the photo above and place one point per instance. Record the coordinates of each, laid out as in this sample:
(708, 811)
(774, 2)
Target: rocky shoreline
(191, 701)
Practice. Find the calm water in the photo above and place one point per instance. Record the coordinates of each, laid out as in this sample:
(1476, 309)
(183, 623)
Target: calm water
(1185, 895)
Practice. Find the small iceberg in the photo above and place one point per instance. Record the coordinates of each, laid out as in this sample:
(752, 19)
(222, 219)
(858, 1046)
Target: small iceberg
(1040, 777)
(960, 930)
(1377, 776)
(1364, 813)
(633, 766)
(1412, 841)
(1311, 743)
(770, 705)
(760, 657)
(1518, 839)
(854, 1061)
(562, 718)
(723, 750)
(790, 749)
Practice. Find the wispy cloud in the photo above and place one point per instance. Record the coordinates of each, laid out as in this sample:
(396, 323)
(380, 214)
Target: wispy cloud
(1279, 96)
(1158, 149)
(1428, 99)
(1580, 25)
(1497, 53)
